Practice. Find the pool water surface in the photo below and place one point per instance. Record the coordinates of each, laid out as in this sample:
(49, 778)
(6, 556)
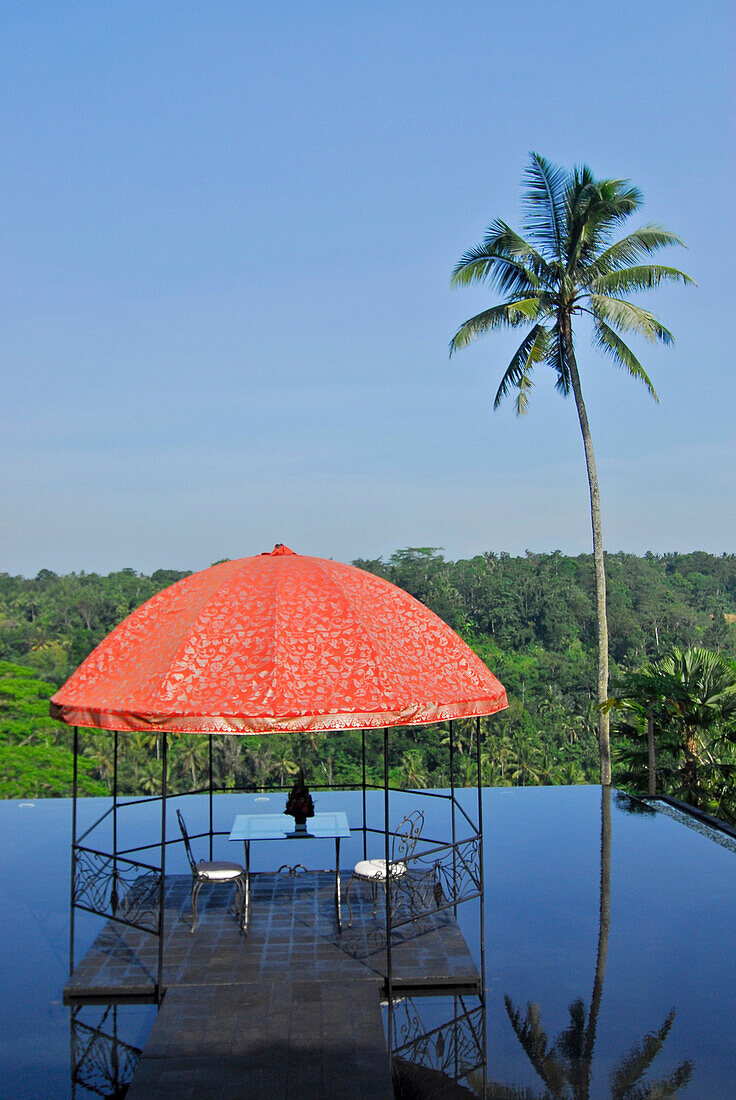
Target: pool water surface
(613, 921)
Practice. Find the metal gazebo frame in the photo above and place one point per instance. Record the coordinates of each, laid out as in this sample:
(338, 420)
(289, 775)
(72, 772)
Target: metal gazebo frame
(122, 885)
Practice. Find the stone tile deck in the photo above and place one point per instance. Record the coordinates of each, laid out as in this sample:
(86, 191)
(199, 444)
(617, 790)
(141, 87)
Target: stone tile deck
(291, 1009)
(292, 935)
(266, 1041)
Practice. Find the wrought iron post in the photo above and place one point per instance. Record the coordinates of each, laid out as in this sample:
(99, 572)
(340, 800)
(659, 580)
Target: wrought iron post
(162, 884)
(114, 1059)
(114, 890)
(74, 850)
(365, 833)
(452, 814)
(482, 899)
(387, 855)
(209, 735)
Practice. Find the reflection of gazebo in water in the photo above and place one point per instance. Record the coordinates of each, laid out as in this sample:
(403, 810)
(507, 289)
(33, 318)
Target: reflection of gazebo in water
(280, 643)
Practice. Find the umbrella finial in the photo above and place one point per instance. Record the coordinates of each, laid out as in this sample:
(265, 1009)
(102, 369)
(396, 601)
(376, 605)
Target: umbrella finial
(279, 549)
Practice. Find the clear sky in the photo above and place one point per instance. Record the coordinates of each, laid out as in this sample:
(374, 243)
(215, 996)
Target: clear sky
(227, 235)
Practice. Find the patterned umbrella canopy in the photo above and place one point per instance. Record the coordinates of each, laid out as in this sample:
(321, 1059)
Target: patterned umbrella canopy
(278, 643)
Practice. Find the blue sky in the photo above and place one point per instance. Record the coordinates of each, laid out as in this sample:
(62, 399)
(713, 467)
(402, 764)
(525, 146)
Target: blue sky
(228, 231)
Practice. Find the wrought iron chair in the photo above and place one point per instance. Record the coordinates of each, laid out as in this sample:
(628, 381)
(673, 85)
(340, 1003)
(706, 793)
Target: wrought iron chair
(218, 872)
(403, 843)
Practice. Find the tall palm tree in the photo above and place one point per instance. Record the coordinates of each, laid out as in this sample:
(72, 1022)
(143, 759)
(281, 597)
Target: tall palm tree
(284, 761)
(526, 764)
(413, 769)
(193, 756)
(567, 266)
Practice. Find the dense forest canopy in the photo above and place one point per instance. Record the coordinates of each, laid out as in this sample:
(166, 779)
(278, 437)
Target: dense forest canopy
(531, 618)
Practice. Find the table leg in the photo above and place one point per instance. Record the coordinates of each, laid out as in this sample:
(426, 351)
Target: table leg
(338, 899)
(246, 901)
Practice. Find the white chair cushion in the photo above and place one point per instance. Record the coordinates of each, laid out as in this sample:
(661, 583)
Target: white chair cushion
(376, 869)
(219, 870)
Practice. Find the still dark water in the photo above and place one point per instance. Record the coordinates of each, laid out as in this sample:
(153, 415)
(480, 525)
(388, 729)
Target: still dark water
(669, 936)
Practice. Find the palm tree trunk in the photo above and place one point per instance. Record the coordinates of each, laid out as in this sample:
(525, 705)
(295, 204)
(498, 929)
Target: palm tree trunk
(604, 744)
(604, 928)
(651, 759)
(690, 767)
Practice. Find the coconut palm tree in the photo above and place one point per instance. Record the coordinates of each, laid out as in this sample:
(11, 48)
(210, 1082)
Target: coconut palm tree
(193, 756)
(284, 762)
(526, 764)
(702, 699)
(688, 697)
(568, 265)
(642, 707)
(466, 771)
(259, 762)
(413, 769)
(99, 749)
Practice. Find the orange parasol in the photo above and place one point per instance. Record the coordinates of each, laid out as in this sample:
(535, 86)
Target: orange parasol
(278, 643)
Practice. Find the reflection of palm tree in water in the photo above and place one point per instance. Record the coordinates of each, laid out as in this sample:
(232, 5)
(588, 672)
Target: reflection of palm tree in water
(565, 1067)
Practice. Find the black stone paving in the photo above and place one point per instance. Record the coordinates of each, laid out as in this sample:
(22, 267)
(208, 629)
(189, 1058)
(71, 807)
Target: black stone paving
(291, 1009)
(292, 934)
(267, 1041)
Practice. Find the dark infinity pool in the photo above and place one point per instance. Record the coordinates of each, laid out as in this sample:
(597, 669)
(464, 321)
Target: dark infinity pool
(663, 950)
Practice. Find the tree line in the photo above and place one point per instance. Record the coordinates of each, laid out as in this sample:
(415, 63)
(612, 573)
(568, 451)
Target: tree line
(531, 618)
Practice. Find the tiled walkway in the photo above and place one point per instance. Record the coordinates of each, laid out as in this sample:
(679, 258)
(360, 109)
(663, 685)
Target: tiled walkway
(267, 1041)
(291, 1009)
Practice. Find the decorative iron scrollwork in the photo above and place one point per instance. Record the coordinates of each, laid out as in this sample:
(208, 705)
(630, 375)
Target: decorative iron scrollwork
(117, 887)
(296, 870)
(452, 1047)
(439, 878)
(102, 1063)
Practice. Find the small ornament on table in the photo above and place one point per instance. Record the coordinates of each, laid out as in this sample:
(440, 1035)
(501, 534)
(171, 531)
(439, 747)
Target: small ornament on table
(299, 804)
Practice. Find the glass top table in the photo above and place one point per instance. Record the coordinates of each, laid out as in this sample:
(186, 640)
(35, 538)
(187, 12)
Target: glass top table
(327, 826)
(269, 826)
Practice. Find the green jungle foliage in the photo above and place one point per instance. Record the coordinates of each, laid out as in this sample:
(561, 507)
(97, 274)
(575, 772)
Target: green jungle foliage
(531, 619)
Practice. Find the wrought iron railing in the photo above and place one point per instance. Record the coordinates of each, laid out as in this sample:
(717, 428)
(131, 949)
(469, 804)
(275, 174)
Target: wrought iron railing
(101, 1062)
(116, 887)
(452, 1050)
(438, 878)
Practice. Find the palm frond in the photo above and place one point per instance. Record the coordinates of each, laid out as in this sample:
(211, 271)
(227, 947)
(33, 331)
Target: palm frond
(635, 246)
(486, 263)
(665, 1087)
(524, 387)
(557, 359)
(506, 315)
(618, 199)
(571, 1040)
(532, 350)
(643, 277)
(627, 317)
(612, 344)
(632, 1068)
(581, 194)
(595, 208)
(535, 1043)
(544, 202)
(503, 238)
